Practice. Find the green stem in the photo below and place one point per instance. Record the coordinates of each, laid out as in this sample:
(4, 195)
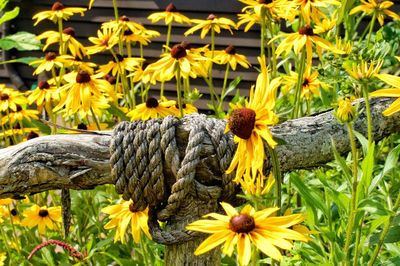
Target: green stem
(385, 231)
(278, 177)
(368, 109)
(60, 31)
(300, 73)
(263, 28)
(254, 257)
(144, 251)
(179, 89)
(353, 205)
(168, 35)
(16, 238)
(371, 27)
(115, 6)
(95, 119)
(210, 70)
(273, 48)
(221, 99)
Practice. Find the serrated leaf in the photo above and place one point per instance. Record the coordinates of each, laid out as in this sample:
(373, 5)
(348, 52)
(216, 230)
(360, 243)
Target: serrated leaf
(9, 15)
(22, 41)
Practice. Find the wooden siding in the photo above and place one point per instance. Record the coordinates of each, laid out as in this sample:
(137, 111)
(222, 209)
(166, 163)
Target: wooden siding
(245, 43)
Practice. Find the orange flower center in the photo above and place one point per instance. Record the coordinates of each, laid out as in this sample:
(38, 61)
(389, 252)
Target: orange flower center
(241, 122)
(50, 56)
(43, 85)
(230, 50)
(43, 213)
(83, 77)
(31, 135)
(4, 96)
(151, 102)
(178, 51)
(57, 6)
(69, 31)
(170, 8)
(242, 223)
(306, 30)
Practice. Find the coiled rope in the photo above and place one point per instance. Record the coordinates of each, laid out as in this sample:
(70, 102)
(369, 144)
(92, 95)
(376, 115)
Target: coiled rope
(143, 151)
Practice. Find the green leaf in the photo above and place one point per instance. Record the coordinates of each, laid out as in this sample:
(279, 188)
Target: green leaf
(114, 110)
(390, 163)
(232, 85)
(22, 41)
(392, 261)
(309, 195)
(3, 4)
(45, 129)
(373, 206)
(24, 60)
(9, 15)
(367, 167)
(343, 165)
(392, 236)
(363, 140)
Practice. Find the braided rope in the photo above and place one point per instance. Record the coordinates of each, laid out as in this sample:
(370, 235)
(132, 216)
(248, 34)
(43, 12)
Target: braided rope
(139, 153)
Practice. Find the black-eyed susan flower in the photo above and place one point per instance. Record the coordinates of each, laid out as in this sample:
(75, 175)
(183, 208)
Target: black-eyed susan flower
(304, 38)
(211, 23)
(19, 114)
(68, 37)
(143, 37)
(122, 24)
(248, 18)
(121, 216)
(229, 56)
(250, 123)
(248, 227)
(310, 86)
(169, 15)
(44, 93)
(364, 70)
(58, 11)
(84, 93)
(377, 8)
(42, 217)
(10, 98)
(6, 201)
(188, 63)
(277, 8)
(311, 10)
(392, 92)
(345, 111)
(50, 61)
(258, 185)
(152, 108)
(120, 64)
(106, 39)
(187, 108)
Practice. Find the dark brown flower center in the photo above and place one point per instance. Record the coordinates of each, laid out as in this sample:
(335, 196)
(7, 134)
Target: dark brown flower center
(83, 77)
(265, 1)
(242, 223)
(57, 6)
(170, 8)
(14, 212)
(211, 17)
(32, 135)
(151, 102)
(183, 105)
(178, 51)
(44, 85)
(230, 50)
(50, 56)
(306, 82)
(132, 208)
(111, 79)
(306, 30)
(186, 45)
(119, 58)
(4, 96)
(69, 31)
(19, 108)
(241, 122)
(82, 126)
(123, 18)
(128, 32)
(43, 213)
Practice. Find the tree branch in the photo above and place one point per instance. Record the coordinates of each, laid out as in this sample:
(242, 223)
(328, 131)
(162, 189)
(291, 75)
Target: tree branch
(81, 161)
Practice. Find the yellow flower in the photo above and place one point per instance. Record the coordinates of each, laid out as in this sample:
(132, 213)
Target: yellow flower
(258, 185)
(247, 227)
(58, 11)
(377, 8)
(345, 47)
(230, 56)
(249, 124)
(142, 37)
(68, 37)
(363, 71)
(152, 108)
(120, 64)
(105, 40)
(50, 61)
(325, 25)
(44, 93)
(122, 25)
(42, 217)
(311, 10)
(3, 258)
(392, 92)
(310, 86)
(19, 114)
(17, 132)
(6, 201)
(10, 98)
(170, 14)
(248, 18)
(212, 22)
(84, 92)
(278, 8)
(305, 37)
(179, 57)
(187, 108)
(121, 214)
(345, 111)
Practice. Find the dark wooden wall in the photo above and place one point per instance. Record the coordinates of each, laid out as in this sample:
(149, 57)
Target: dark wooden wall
(245, 43)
